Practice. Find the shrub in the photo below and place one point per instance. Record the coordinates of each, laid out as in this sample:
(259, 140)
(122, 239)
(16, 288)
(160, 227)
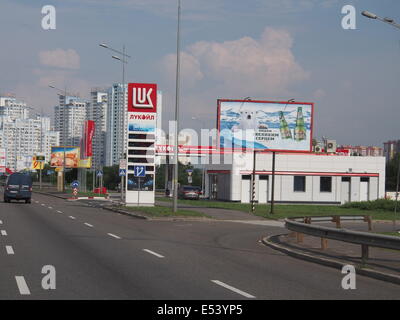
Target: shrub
(379, 204)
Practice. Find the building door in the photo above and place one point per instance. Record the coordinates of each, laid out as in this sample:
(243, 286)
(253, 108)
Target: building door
(213, 178)
(246, 189)
(263, 189)
(364, 189)
(346, 186)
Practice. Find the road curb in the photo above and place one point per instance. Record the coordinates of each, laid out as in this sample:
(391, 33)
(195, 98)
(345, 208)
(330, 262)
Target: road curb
(271, 242)
(127, 213)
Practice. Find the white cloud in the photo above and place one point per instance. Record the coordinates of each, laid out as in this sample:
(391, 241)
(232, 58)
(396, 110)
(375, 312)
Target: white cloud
(67, 59)
(255, 66)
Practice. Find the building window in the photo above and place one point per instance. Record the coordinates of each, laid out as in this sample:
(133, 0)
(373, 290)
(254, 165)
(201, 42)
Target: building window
(246, 177)
(325, 184)
(299, 184)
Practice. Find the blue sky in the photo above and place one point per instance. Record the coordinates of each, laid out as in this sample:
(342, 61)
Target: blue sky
(273, 50)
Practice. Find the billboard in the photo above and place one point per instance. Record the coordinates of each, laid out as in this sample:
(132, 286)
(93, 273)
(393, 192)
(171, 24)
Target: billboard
(37, 164)
(276, 126)
(87, 139)
(71, 157)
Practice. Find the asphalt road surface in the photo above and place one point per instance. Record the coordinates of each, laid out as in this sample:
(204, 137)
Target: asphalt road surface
(98, 254)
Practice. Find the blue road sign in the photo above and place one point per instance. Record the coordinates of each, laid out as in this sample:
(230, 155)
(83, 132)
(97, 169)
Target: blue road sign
(75, 184)
(139, 171)
(99, 173)
(122, 172)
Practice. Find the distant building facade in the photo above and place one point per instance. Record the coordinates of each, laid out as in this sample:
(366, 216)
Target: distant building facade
(97, 111)
(69, 118)
(391, 148)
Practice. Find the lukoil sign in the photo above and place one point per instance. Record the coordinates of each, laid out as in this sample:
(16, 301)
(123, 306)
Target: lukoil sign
(142, 97)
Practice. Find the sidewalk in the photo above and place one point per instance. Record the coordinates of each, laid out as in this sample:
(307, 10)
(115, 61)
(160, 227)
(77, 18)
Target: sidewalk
(385, 261)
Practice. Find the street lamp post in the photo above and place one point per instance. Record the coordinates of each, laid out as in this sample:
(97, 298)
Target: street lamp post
(390, 21)
(123, 60)
(178, 49)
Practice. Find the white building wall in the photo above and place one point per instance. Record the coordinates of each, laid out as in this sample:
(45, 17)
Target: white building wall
(313, 167)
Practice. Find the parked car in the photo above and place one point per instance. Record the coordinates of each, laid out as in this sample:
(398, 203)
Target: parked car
(18, 187)
(189, 192)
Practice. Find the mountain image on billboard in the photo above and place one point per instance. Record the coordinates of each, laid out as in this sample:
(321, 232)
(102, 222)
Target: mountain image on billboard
(265, 125)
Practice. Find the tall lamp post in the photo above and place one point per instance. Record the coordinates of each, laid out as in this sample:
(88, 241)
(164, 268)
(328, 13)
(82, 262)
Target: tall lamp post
(390, 21)
(178, 66)
(123, 58)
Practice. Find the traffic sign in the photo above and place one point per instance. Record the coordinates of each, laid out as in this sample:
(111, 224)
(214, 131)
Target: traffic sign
(122, 172)
(122, 164)
(75, 184)
(139, 171)
(99, 173)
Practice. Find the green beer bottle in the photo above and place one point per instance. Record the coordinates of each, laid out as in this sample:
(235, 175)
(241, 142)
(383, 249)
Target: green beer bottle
(300, 132)
(285, 131)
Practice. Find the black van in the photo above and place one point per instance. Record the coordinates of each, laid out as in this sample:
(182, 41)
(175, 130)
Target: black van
(18, 187)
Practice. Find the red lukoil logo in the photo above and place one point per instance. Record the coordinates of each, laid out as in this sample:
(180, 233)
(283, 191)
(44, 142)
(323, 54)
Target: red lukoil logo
(142, 97)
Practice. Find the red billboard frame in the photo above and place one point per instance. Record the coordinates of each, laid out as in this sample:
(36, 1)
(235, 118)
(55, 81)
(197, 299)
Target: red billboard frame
(266, 101)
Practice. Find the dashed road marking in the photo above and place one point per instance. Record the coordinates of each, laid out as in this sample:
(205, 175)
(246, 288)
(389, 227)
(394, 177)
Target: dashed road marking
(22, 286)
(114, 236)
(1, 222)
(227, 286)
(88, 224)
(71, 217)
(154, 253)
(43, 204)
(50, 207)
(9, 250)
(59, 211)
(3, 232)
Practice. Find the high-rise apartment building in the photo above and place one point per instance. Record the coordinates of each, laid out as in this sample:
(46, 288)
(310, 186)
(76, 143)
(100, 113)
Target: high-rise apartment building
(24, 138)
(97, 111)
(69, 118)
(390, 148)
(13, 108)
(116, 124)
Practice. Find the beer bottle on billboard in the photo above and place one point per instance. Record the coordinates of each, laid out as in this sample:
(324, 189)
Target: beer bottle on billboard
(285, 131)
(300, 132)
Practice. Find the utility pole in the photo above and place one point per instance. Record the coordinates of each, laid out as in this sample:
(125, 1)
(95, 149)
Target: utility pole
(178, 49)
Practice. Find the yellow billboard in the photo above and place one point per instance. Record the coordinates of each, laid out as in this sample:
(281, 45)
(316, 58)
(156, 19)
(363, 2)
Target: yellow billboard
(36, 164)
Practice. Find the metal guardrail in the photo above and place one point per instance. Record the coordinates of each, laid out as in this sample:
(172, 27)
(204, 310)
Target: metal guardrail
(365, 239)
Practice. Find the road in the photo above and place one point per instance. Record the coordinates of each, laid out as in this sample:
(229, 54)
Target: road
(98, 254)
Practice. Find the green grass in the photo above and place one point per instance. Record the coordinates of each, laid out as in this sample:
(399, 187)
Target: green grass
(160, 211)
(396, 234)
(282, 211)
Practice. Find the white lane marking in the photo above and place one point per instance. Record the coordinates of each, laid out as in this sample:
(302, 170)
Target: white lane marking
(88, 224)
(1, 222)
(22, 286)
(43, 204)
(50, 207)
(227, 286)
(154, 253)
(3, 232)
(9, 250)
(37, 201)
(114, 236)
(73, 218)
(59, 211)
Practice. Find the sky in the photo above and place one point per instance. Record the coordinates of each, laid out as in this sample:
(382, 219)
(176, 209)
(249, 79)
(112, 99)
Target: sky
(263, 49)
